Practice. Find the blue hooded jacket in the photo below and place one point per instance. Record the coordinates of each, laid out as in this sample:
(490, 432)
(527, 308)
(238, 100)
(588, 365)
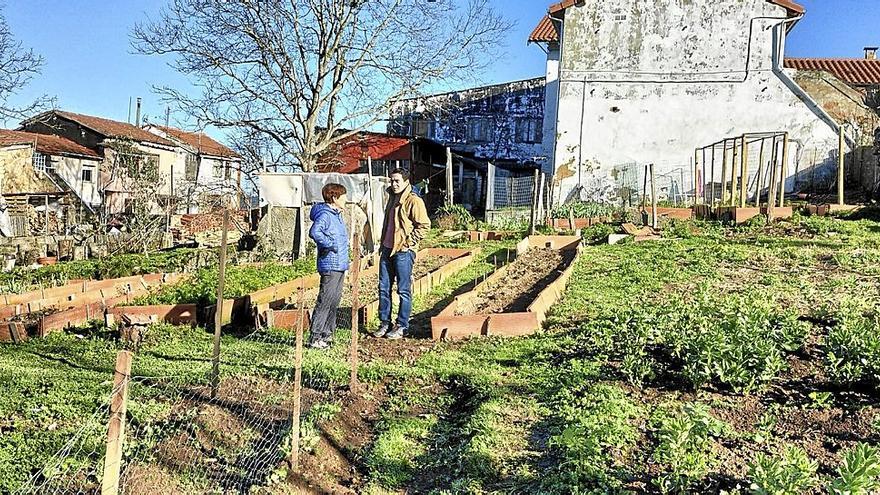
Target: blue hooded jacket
(329, 233)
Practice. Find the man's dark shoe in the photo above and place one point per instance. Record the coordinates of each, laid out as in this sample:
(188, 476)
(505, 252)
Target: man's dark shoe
(396, 333)
(383, 330)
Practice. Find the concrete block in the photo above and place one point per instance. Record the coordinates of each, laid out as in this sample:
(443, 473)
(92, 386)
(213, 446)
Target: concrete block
(616, 238)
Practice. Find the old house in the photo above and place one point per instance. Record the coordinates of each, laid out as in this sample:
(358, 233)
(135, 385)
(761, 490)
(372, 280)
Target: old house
(135, 161)
(499, 126)
(648, 81)
(501, 123)
(210, 174)
(48, 183)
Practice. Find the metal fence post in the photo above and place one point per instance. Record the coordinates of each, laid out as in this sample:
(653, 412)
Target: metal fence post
(116, 424)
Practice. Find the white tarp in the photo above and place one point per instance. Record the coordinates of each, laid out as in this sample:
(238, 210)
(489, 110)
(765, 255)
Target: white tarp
(304, 189)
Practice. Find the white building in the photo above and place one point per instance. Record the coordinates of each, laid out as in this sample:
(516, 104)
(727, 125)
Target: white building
(634, 82)
(207, 173)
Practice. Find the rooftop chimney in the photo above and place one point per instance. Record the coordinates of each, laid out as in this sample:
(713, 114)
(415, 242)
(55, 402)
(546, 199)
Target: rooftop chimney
(137, 113)
(871, 52)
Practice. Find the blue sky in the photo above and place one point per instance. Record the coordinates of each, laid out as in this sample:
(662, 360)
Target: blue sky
(90, 67)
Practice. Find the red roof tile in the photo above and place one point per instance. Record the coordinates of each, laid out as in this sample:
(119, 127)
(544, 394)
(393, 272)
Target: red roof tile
(201, 142)
(545, 31)
(115, 129)
(46, 143)
(853, 71)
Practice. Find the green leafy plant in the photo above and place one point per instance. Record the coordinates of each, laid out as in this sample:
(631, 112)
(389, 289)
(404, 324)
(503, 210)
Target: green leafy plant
(853, 346)
(597, 424)
(598, 233)
(684, 445)
(792, 473)
(859, 474)
(766, 424)
(738, 340)
(584, 209)
(821, 400)
(454, 217)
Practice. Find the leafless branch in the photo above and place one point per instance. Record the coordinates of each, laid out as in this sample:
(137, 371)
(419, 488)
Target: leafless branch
(305, 75)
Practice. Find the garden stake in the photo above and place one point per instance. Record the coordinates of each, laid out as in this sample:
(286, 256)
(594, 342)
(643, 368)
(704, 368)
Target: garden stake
(116, 425)
(297, 381)
(218, 309)
(355, 286)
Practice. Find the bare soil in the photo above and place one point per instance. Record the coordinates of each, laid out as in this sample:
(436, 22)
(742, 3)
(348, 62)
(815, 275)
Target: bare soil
(369, 282)
(525, 278)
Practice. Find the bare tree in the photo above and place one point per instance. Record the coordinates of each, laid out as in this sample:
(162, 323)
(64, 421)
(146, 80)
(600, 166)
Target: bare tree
(308, 74)
(18, 65)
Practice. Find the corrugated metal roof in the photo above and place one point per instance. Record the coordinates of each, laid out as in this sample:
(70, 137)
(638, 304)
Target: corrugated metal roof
(544, 32)
(853, 71)
(48, 144)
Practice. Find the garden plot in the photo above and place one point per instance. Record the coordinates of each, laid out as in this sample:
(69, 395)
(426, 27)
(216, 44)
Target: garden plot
(433, 265)
(369, 280)
(514, 300)
(76, 304)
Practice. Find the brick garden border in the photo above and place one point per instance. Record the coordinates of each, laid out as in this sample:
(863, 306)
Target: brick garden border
(448, 325)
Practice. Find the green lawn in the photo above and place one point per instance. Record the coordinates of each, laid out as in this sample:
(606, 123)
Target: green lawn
(715, 360)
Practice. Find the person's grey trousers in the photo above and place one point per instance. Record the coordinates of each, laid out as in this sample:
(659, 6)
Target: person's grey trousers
(324, 315)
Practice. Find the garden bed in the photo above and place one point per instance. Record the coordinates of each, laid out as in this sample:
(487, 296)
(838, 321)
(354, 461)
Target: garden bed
(514, 300)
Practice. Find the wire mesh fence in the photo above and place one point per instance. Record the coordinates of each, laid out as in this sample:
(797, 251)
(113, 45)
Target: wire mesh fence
(184, 434)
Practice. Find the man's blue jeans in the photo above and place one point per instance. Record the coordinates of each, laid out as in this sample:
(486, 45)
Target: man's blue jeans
(398, 267)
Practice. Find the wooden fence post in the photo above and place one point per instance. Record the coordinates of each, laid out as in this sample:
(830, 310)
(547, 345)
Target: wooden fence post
(449, 186)
(744, 185)
(218, 309)
(774, 167)
(653, 198)
(840, 154)
(116, 425)
(297, 381)
(735, 167)
(534, 212)
(783, 170)
(355, 309)
(760, 178)
(490, 187)
(724, 158)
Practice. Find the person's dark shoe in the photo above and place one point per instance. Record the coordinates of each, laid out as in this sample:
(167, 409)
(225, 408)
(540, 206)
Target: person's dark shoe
(319, 344)
(383, 330)
(396, 333)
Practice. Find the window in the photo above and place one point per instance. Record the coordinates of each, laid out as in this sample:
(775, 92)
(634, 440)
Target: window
(192, 167)
(528, 130)
(480, 130)
(40, 162)
(227, 170)
(424, 128)
(217, 171)
(88, 174)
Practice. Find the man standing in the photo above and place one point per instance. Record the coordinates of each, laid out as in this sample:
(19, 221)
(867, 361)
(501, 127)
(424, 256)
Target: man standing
(406, 223)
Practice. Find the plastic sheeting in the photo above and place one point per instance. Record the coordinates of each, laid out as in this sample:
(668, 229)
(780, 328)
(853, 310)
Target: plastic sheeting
(304, 189)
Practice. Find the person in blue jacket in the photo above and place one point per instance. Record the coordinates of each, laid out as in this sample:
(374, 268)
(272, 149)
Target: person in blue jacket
(329, 233)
